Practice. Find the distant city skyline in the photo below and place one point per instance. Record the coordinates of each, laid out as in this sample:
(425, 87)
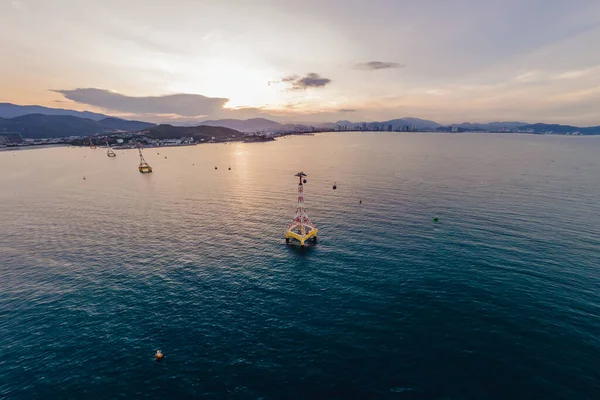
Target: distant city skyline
(308, 61)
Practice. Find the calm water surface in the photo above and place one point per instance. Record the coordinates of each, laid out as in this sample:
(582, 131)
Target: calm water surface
(498, 300)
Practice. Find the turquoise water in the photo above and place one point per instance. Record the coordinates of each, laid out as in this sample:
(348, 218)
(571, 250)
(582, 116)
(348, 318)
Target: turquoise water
(499, 299)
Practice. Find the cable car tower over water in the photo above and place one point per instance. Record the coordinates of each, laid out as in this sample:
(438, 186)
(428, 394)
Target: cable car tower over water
(144, 168)
(109, 150)
(301, 228)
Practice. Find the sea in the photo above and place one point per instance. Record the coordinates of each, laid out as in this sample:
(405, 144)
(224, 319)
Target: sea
(101, 266)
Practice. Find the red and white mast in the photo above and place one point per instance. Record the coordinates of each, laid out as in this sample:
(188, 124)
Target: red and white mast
(301, 228)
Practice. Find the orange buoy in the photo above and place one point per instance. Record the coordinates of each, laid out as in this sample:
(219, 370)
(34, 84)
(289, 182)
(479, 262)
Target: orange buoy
(159, 355)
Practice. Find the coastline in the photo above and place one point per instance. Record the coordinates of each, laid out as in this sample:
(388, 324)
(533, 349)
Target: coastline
(263, 139)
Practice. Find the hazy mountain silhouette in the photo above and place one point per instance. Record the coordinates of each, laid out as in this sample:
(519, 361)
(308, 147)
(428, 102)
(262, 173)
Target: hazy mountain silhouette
(490, 126)
(125, 125)
(245, 125)
(51, 126)
(54, 122)
(205, 132)
(562, 129)
(417, 123)
(9, 110)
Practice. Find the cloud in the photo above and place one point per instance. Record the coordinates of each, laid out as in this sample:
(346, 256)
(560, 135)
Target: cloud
(287, 79)
(528, 76)
(311, 80)
(185, 105)
(16, 5)
(375, 65)
(346, 110)
(578, 73)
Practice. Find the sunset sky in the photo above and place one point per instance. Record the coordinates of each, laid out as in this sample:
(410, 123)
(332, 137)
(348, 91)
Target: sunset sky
(306, 60)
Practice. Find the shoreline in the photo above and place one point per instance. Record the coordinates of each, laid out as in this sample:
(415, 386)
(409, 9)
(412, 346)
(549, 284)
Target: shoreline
(268, 139)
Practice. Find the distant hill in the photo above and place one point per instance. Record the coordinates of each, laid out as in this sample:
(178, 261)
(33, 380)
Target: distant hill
(9, 110)
(49, 126)
(245, 125)
(52, 126)
(125, 125)
(416, 122)
(326, 125)
(561, 129)
(395, 123)
(205, 132)
(45, 122)
(489, 126)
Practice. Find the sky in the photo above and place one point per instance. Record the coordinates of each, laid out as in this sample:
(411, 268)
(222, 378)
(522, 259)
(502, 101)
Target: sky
(183, 61)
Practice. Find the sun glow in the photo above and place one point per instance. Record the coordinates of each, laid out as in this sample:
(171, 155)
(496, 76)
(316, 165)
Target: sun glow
(244, 85)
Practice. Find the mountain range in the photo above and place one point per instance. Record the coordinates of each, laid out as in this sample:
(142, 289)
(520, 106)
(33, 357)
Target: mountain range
(34, 121)
(489, 126)
(9, 110)
(54, 126)
(266, 125)
(204, 132)
(247, 125)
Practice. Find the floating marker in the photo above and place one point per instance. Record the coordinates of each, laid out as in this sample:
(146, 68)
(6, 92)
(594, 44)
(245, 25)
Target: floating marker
(334, 186)
(436, 219)
(304, 181)
(159, 355)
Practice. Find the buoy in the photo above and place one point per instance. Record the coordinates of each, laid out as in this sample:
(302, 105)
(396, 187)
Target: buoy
(334, 186)
(165, 157)
(360, 202)
(436, 219)
(84, 178)
(215, 167)
(304, 181)
(159, 355)
(229, 168)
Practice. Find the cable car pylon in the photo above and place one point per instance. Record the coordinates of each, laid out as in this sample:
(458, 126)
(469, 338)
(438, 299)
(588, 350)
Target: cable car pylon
(301, 228)
(109, 150)
(144, 168)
